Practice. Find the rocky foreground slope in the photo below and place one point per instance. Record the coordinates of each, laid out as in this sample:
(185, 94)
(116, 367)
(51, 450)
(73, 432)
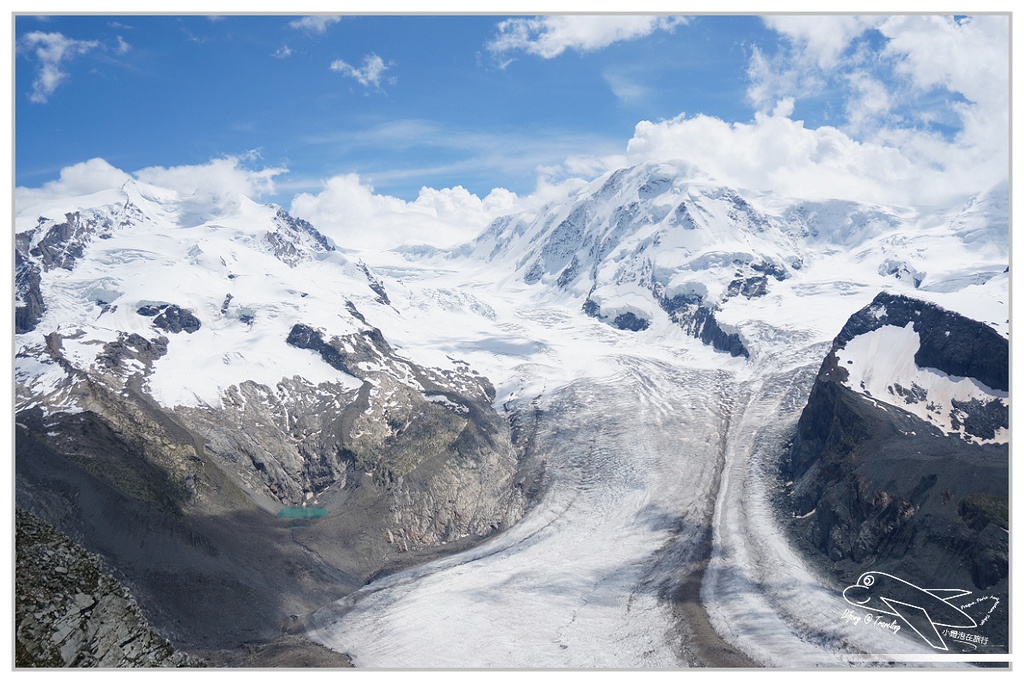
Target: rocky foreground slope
(70, 612)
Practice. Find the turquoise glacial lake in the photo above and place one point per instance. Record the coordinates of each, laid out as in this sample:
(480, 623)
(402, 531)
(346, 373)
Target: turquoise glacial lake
(299, 512)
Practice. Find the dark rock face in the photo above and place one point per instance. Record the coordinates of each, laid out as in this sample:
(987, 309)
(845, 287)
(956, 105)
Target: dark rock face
(690, 313)
(981, 419)
(750, 287)
(570, 273)
(131, 346)
(174, 319)
(950, 342)
(875, 486)
(376, 284)
(776, 271)
(683, 218)
(295, 240)
(303, 227)
(29, 306)
(305, 337)
(624, 321)
(63, 243)
(69, 612)
(631, 322)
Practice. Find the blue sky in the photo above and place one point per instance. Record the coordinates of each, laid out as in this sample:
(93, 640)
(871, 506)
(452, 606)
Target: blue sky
(446, 109)
(369, 110)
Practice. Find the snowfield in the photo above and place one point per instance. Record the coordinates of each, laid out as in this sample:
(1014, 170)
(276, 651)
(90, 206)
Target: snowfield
(881, 365)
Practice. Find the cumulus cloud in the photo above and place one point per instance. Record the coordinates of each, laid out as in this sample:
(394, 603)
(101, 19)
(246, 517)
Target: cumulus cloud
(369, 75)
(353, 215)
(317, 23)
(282, 52)
(224, 176)
(886, 71)
(870, 102)
(550, 36)
(821, 39)
(52, 50)
(80, 179)
(774, 152)
(970, 58)
(815, 51)
(920, 107)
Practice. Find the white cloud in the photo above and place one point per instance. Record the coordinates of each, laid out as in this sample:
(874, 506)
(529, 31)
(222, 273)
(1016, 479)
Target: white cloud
(80, 179)
(922, 104)
(349, 211)
(282, 52)
(821, 39)
(224, 176)
(776, 153)
(550, 36)
(870, 102)
(968, 57)
(346, 209)
(52, 49)
(373, 68)
(625, 86)
(815, 50)
(316, 23)
(122, 46)
(892, 77)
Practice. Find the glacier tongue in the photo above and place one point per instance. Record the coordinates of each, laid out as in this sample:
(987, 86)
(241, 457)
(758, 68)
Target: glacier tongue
(627, 475)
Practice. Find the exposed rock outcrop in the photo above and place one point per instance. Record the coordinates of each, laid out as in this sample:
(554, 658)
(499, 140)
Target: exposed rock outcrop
(175, 319)
(874, 485)
(28, 305)
(182, 501)
(698, 320)
(70, 612)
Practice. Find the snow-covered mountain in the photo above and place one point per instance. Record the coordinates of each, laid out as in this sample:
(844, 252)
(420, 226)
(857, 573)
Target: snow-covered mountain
(209, 356)
(206, 361)
(659, 240)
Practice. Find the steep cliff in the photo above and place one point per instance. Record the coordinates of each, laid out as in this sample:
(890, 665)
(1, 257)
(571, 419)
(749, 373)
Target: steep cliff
(900, 460)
